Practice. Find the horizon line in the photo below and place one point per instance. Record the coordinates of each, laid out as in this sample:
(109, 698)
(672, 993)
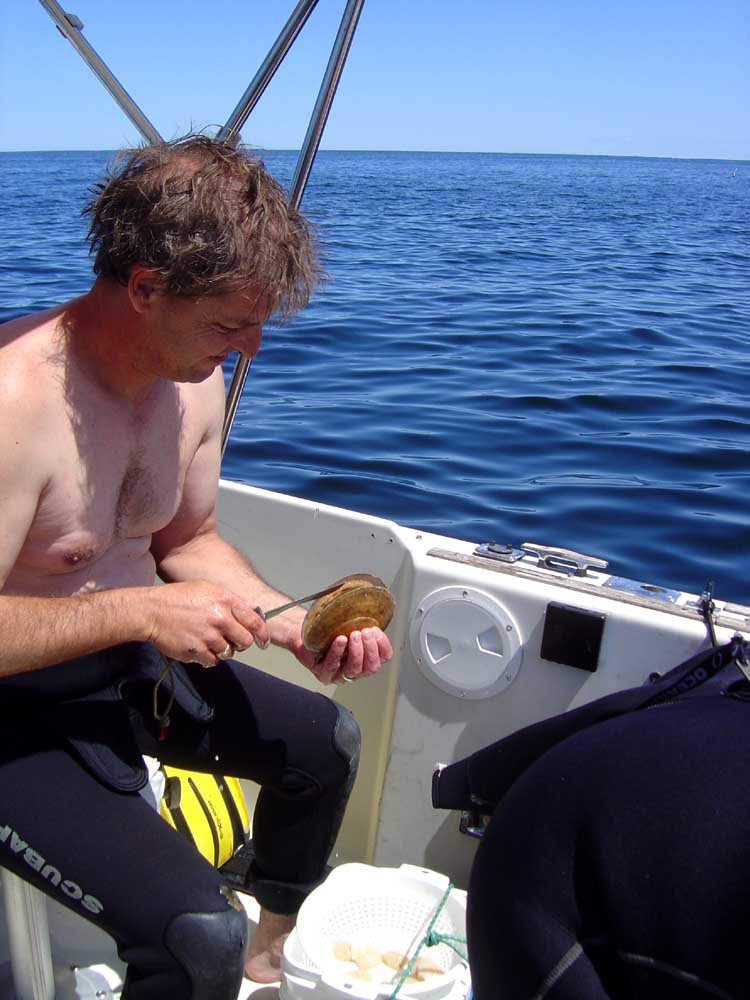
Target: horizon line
(447, 152)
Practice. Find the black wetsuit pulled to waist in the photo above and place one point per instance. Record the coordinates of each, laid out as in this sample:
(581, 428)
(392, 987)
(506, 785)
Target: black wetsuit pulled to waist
(90, 702)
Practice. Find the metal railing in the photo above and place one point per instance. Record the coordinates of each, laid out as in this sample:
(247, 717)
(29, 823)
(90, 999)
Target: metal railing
(299, 182)
(71, 27)
(268, 67)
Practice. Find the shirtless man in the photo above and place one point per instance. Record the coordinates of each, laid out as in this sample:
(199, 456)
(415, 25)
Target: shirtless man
(111, 409)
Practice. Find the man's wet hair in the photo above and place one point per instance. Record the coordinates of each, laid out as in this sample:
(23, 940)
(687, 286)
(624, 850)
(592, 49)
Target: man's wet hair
(208, 217)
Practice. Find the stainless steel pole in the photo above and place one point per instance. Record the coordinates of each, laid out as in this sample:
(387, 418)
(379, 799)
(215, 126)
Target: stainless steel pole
(325, 99)
(71, 27)
(271, 63)
(305, 161)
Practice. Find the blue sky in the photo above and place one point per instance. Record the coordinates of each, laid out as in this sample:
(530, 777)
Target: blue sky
(656, 78)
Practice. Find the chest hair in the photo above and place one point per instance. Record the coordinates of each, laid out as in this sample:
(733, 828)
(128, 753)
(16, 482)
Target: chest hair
(136, 498)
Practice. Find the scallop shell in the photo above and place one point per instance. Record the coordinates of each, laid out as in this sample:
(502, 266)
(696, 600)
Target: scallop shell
(359, 601)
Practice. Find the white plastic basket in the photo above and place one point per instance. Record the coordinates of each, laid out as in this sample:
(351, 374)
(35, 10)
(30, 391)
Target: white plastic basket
(388, 909)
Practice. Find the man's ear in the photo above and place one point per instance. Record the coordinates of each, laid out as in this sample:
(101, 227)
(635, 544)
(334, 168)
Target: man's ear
(144, 286)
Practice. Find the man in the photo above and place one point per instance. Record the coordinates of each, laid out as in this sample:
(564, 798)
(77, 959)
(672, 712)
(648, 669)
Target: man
(112, 407)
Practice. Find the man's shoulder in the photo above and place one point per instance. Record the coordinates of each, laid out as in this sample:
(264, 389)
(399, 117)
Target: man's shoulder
(30, 335)
(30, 323)
(31, 368)
(205, 400)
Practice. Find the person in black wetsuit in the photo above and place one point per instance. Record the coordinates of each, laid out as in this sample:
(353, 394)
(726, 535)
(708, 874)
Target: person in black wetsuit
(111, 410)
(615, 862)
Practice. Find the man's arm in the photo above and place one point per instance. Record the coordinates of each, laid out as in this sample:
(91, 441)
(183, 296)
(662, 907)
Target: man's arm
(190, 547)
(36, 632)
(208, 556)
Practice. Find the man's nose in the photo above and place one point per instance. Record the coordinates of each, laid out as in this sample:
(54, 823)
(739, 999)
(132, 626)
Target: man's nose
(247, 342)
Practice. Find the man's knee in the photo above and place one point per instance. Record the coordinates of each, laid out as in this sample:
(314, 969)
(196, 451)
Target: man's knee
(210, 949)
(347, 739)
(333, 767)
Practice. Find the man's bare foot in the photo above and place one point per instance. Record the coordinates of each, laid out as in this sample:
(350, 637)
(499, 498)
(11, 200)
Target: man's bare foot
(263, 964)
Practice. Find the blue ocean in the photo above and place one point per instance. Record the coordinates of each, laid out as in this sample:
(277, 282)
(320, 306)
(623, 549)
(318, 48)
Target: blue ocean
(508, 348)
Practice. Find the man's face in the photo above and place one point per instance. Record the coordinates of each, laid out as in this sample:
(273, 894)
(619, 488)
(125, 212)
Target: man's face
(190, 338)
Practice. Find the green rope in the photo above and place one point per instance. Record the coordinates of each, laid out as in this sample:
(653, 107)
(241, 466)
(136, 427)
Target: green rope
(430, 938)
(448, 939)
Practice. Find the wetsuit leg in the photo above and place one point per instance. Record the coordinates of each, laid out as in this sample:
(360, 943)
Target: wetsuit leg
(110, 858)
(299, 746)
(617, 864)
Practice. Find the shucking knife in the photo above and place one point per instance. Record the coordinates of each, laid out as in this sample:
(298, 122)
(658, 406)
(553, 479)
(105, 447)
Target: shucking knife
(265, 615)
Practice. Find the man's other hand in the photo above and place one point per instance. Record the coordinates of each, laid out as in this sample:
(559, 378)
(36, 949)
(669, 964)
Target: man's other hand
(359, 656)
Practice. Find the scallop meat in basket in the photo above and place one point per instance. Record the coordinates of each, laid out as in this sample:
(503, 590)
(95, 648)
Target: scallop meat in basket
(364, 924)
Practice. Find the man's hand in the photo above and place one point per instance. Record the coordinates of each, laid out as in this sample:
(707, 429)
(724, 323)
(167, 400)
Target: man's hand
(202, 622)
(361, 655)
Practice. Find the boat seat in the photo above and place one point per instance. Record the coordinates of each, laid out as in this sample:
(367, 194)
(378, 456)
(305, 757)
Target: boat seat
(28, 939)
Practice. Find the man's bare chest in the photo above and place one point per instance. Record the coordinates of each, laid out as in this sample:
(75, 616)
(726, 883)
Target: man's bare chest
(113, 483)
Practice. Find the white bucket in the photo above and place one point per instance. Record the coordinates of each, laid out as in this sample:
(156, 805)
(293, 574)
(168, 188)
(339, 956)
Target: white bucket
(385, 909)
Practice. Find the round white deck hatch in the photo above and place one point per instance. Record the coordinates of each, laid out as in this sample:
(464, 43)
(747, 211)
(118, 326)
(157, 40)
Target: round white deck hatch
(465, 642)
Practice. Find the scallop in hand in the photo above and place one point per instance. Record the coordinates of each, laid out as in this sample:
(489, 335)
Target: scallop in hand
(359, 601)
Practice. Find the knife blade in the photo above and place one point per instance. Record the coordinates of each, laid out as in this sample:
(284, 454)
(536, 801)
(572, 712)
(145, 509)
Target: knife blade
(265, 615)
